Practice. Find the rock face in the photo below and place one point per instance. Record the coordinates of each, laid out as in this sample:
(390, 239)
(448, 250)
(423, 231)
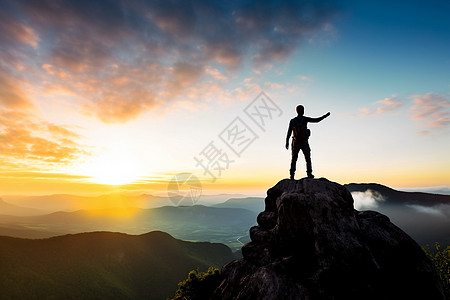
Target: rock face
(310, 243)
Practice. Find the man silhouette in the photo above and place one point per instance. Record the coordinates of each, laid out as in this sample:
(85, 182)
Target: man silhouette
(298, 125)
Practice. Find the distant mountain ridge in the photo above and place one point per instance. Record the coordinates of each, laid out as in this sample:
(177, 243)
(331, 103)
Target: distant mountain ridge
(195, 223)
(11, 209)
(255, 204)
(102, 265)
(67, 202)
(396, 197)
(425, 216)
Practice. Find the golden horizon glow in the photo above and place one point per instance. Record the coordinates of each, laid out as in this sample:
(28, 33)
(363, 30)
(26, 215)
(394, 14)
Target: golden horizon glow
(115, 166)
(116, 212)
(249, 185)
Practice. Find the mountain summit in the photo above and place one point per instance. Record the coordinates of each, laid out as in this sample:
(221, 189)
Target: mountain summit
(310, 243)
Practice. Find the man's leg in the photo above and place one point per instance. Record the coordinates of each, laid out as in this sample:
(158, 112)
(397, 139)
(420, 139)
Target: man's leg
(295, 149)
(307, 153)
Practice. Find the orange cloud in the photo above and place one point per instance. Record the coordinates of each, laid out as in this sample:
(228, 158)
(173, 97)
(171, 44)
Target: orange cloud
(26, 142)
(123, 58)
(120, 106)
(216, 74)
(11, 93)
(55, 72)
(13, 31)
(182, 76)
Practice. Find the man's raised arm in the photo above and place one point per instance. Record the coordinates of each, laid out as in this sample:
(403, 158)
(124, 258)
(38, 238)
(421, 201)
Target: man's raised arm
(317, 120)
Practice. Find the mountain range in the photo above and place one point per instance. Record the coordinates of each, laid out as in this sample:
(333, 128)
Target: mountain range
(195, 223)
(425, 216)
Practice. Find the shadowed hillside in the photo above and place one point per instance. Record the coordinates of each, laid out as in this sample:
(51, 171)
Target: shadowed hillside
(101, 265)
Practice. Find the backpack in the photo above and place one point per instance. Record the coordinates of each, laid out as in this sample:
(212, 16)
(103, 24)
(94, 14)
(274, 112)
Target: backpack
(301, 133)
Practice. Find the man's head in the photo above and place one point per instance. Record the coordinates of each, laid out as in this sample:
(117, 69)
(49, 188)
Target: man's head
(300, 110)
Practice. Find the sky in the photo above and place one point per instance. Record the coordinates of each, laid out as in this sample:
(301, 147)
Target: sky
(112, 96)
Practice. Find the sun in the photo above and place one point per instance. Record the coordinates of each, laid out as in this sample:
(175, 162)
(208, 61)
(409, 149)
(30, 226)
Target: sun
(115, 166)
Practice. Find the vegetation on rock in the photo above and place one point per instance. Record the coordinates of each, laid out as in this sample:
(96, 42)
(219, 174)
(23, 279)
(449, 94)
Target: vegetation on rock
(441, 261)
(198, 285)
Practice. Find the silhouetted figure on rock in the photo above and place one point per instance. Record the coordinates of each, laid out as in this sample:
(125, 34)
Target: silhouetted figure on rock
(298, 125)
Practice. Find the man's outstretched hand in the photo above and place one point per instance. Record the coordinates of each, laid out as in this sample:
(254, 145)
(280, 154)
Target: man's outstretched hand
(327, 114)
(287, 145)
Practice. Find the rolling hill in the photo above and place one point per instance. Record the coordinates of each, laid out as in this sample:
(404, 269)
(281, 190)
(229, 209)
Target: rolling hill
(102, 265)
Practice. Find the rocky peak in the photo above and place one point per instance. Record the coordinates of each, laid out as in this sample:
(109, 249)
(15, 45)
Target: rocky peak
(310, 243)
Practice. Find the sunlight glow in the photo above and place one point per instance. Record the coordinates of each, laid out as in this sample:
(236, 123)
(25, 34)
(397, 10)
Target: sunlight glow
(117, 213)
(116, 166)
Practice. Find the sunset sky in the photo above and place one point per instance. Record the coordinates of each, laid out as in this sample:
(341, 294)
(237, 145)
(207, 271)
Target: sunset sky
(104, 96)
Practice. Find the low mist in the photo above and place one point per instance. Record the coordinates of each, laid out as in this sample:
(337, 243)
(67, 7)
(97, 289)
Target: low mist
(367, 200)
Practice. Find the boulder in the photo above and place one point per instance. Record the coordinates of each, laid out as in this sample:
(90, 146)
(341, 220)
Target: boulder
(310, 243)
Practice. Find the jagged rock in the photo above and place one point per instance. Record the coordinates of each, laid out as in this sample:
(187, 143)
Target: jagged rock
(310, 243)
(267, 220)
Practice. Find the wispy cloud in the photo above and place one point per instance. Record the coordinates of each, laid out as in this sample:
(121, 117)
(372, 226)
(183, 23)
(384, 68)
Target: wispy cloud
(430, 111)
(388, 104)
(382, 106)
(122, 58)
